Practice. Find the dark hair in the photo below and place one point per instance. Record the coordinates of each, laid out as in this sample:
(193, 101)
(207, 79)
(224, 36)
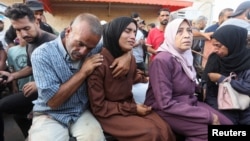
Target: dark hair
(1, 45)
(135, 15)
(18, 11)
(112, 33)
(222, 12)
(163, 9)
(152, 25)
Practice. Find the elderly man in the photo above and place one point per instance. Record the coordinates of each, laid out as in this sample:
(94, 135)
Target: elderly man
(60, 69)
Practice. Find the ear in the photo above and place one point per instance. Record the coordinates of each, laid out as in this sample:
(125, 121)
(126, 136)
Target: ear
(67, 31)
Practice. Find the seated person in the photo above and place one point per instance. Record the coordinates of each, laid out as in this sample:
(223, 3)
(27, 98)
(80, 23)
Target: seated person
(230, 55)
(111, 99)
(172, 86)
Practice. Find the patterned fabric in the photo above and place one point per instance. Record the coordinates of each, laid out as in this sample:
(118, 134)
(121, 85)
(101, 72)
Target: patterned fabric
(17, 58)
(51, 68)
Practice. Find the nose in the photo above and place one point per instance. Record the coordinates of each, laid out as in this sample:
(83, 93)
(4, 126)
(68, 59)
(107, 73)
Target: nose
(165, 17)
(133, 36)
(187, 34)
(38, 17)
(215, 50)
(23, 33)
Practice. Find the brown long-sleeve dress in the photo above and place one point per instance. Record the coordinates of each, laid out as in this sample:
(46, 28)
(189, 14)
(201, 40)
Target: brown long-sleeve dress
(113, 105)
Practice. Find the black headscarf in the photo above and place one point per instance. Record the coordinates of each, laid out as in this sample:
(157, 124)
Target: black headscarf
(112, 33)
(235, 39)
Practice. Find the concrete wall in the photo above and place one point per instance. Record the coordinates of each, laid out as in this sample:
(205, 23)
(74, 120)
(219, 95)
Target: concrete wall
(104, 11)
(64, 13)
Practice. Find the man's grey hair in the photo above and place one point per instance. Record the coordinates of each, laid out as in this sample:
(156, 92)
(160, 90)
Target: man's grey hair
(200, 19)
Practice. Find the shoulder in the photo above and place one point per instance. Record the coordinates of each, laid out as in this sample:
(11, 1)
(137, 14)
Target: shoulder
(235, 21)
(45, 25)
(163, 62)
(47, 47)
(152, 31)
(139, 33)
(155, 30)
(11, 49)
(48, 36)
(212, 28)
(164, 57)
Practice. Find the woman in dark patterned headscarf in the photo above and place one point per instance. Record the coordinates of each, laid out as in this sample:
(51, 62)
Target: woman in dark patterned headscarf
(230, 55)
(111, 99)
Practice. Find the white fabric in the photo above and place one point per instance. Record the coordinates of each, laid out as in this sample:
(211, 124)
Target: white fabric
(86, 128)
(139, 92)
(229, 99)
(2, 35)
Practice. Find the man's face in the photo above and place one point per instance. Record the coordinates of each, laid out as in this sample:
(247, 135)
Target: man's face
(1, 26)
(79, 40)
(38, 15)
(27, 29)
(138, 19)
(203, 24)
(164, 17)
(226, 15)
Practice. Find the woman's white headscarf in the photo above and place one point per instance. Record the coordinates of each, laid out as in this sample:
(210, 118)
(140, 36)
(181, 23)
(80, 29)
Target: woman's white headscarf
(186, 57)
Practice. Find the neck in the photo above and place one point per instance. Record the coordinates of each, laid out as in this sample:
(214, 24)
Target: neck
(162, 27)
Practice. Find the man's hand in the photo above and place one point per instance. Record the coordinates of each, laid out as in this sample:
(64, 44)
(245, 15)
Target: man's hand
(214, 77)
(29, 88)
(121, 65)
(208, 35)
(91, 63)
(143, 110)
(5, 74)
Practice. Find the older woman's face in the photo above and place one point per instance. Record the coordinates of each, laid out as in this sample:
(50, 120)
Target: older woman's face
(184, 37)
(127, 38)
(219, 48)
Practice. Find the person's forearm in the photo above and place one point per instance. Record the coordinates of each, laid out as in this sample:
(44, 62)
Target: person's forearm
(2, 65)
(151, 50)
(3, 57)
(197, 33)
(26, 71)
(67, 89)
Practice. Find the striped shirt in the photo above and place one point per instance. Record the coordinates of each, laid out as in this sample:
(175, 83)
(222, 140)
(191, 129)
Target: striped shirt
(52, 67)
